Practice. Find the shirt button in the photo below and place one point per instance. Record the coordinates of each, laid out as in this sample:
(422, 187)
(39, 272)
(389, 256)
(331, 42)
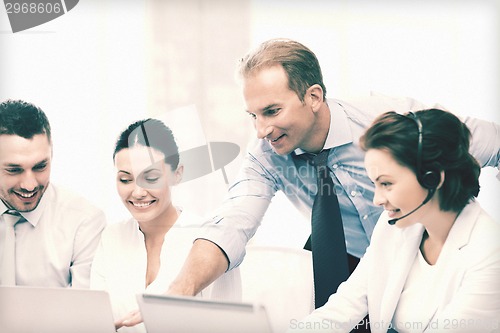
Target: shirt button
(353, 193)
(365, 217)
(335, 166)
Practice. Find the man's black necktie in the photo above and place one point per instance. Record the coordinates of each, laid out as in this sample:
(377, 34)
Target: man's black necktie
(329, 253)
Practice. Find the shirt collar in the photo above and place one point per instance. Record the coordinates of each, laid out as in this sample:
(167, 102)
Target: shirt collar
(3, 207)
(34, 216)
(340, 131)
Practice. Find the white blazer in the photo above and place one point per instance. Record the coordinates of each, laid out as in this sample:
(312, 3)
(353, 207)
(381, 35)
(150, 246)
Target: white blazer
(467, 283)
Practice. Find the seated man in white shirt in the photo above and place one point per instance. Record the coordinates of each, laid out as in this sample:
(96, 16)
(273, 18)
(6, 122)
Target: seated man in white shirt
(56, 232)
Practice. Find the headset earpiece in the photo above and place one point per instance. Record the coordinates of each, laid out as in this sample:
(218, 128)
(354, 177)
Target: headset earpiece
(430, 179)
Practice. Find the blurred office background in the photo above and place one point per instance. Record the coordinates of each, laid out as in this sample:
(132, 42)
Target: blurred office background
(107, 63)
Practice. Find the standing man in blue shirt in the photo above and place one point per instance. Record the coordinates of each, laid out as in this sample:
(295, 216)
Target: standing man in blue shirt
(286, 98)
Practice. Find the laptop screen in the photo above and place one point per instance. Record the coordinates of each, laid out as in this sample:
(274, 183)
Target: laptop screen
(194, 315)
(54, 310)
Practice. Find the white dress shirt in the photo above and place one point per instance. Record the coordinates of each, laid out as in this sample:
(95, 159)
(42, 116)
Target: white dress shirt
(56, 246)
(120, 265)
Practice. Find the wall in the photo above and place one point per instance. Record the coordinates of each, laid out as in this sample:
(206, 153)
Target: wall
(106, 63)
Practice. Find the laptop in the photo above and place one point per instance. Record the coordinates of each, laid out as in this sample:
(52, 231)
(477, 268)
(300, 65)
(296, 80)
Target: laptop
(195, 315)
(54, 310)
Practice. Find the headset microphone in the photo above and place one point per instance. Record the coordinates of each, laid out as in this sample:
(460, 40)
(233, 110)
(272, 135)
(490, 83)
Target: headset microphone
(429, 196)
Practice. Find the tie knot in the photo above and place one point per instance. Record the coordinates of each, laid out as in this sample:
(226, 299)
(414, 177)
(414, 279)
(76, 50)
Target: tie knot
(321, 159)
(12, 212)
(12, 217)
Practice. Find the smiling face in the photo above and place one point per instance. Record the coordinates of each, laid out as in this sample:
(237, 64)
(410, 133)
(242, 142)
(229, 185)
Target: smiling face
(396, 187)
(25, 173)
(279, 115)
(144, 181)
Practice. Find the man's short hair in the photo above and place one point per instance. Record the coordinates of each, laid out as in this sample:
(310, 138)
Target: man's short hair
(299, 62)
(24, 119)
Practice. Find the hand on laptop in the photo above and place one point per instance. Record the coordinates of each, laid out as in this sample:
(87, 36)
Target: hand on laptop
(131, 319)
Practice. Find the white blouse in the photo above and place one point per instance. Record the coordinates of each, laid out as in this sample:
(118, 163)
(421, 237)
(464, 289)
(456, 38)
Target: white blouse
(412, 314)
(119, 265)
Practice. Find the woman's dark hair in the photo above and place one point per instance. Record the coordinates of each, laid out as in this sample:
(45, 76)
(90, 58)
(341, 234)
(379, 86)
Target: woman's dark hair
(150, 133)
(444, 147)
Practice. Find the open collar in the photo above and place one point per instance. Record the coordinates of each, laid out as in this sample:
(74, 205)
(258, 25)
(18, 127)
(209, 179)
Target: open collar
(340, 130)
